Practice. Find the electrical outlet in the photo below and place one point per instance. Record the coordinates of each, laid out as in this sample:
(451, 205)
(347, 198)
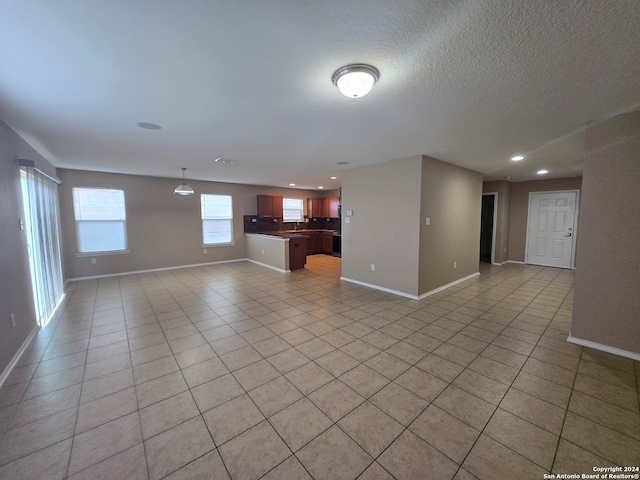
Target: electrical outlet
(204, 250)
(254, 220)
(455, 265)
(263, 251)
(373, 267)
(13, 320)
(93, 261)
(427, 221)
(347, 220)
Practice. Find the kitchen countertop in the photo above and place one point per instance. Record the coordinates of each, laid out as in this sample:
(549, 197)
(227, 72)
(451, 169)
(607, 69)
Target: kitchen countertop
(305, 232)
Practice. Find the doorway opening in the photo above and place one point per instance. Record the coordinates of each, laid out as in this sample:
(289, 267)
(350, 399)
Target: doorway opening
(488, 227)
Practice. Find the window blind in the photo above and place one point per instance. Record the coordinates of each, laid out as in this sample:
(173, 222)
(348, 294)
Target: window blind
(101, 219)
(217, 219)
(292, 209)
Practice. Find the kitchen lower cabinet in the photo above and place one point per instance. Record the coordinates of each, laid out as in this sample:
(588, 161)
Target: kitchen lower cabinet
(327, 242)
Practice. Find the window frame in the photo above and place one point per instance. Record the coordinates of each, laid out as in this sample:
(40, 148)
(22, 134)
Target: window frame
(284, 209)
(95, 253)
(231, 241)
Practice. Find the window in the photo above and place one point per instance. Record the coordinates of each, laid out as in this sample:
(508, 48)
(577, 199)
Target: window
(292, 210)
(101, 220)
(217, 219)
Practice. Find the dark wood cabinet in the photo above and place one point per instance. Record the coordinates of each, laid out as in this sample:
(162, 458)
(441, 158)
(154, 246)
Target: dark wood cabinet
(334, 206)
(315, 207)
(297, 252)
(327, 242)
(323, 207)
(314, 243)
(269, 206)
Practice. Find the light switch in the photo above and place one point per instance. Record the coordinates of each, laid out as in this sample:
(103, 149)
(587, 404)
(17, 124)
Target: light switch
(427, 221)
(349, 213)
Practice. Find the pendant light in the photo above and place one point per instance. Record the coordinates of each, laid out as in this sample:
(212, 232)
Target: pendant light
(355, 80)
(183, 188)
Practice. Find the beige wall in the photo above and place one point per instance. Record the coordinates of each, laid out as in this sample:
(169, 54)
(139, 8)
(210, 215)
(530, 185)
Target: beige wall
(503, 206)
(384, 228)
(607, 289)
(268, 250)
(15, 279)
(520, 209)
(452, 199)
(163, 230)
(390, 202)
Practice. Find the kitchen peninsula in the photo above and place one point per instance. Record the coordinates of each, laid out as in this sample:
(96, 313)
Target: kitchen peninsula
(286, 250)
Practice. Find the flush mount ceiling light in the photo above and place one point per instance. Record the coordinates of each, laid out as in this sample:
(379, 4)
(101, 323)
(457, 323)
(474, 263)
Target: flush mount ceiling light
(183, 188)
(543, 172)
(517, 158)
(355, 80)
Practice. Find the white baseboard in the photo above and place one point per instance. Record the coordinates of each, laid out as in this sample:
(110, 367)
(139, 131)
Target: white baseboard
(382, 289)
(604, 348)
(516, 262)
(267, 266)
(409, 295)
(444, 287)
(9, 368)
(154, 270)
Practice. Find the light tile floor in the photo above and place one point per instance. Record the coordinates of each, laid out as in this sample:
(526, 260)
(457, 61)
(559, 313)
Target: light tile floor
(236, 371)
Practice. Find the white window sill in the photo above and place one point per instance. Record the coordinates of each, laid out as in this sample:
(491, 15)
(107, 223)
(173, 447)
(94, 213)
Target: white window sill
(210, 245)
(99, 254)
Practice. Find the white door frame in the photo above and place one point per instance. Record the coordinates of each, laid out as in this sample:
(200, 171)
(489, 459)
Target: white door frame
(495, 221)
(575, 225)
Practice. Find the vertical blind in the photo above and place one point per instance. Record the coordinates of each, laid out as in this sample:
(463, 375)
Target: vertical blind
(40, 196)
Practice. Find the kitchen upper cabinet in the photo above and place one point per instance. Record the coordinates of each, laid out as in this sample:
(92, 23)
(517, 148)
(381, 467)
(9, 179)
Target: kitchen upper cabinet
(269, 206)
(334, 206)
(322, 207)
(316, 207)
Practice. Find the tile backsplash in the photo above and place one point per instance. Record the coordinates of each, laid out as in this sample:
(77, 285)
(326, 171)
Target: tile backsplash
(276, 224)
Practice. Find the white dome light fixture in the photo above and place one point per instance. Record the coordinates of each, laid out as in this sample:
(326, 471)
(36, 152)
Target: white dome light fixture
(355, 80)
(183, 188)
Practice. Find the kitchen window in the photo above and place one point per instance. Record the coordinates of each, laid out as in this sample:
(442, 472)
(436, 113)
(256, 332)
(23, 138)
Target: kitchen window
(101, 220)
(292, 210)
(217, 219)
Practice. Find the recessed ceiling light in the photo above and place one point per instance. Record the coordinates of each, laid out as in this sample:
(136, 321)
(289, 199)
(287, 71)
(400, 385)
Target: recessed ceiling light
(223, 160)
(507, 178)
(517, 158)
(292, 184)
(342, 163)
(542, 172)
(149, 126)
(320, 187)
(334, 178)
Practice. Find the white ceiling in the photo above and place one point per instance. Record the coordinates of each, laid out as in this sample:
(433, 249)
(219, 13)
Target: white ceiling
(468, 82)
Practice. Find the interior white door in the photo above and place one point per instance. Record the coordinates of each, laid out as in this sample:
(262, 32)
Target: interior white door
(551, 229)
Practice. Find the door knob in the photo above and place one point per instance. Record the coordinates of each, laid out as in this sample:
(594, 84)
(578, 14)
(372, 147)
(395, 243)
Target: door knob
(568, 235)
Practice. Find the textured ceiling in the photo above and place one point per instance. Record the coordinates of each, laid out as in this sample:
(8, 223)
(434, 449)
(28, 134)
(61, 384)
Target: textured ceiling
(468, 82)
